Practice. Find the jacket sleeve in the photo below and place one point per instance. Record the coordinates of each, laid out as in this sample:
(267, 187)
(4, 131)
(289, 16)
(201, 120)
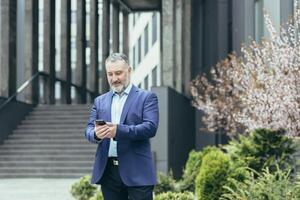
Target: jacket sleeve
(147, 128)
(89, 132)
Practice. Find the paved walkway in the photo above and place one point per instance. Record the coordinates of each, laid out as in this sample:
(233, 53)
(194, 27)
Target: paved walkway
(36, 189)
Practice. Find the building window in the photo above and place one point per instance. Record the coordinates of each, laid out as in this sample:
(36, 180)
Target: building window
(154, 28)
(146, 85)
(146, 41)
(139, 50)
(154, 76)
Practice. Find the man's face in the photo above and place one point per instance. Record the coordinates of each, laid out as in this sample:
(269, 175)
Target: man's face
(118, 75)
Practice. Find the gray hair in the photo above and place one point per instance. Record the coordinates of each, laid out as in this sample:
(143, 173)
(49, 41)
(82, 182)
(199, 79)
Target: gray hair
(114, 57)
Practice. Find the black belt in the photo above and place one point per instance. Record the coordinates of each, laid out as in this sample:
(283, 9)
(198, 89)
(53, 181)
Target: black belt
(113, 161)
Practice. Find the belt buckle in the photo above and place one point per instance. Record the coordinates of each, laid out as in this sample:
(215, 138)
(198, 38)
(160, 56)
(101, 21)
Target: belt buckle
(115, 162)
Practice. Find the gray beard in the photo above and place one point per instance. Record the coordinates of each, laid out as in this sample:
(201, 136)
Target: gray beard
(119, 91)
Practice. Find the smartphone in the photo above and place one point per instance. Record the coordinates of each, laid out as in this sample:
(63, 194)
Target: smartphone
(100, 122)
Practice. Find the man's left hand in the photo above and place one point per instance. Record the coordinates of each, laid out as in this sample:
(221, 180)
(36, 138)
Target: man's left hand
(112, 130)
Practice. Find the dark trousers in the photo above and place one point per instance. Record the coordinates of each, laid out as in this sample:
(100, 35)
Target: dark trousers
(113, 187)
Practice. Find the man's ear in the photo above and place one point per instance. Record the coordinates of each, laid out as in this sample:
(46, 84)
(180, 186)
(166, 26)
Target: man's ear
(129, 69)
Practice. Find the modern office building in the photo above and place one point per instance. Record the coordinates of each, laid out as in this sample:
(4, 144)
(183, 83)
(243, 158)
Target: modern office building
(144, 49)
(169, 42)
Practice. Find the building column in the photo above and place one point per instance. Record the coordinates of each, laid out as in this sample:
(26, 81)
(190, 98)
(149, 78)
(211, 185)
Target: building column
(115, 27)
(66, 71)
(243, 24)
(178, 27)
(31, 50)
(286, 10)
(94, 66)
(80, 52)
(49, 51)
(8, 67)
(125, 33)
(167, 43)
(105, 42)
(187, 46)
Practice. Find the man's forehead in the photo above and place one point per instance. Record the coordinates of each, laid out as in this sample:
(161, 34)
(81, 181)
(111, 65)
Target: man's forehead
(116, 64)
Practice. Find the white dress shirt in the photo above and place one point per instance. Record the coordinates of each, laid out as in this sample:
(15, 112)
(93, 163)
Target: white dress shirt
(117, 106)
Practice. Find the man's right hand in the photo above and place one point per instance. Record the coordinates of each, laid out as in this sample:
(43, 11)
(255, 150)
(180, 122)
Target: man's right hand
(101, 131)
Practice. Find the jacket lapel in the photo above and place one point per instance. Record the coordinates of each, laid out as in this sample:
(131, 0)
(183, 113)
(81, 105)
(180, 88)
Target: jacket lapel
(108, 106)
(131, 96)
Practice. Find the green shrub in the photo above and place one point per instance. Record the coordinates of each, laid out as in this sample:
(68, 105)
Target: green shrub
(191, 170)
(263, 148)
(213, 174)
(297, 154)
(82, 189)
(264, 186)
(166, 183)
(97, 196)
(175, 196)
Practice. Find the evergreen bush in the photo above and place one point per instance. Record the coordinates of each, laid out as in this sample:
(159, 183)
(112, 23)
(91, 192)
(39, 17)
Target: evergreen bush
(264, 186)
(263, 148)
(166, 183)
(82, 189)
(213, 174)
(175, 196)
(191, 170)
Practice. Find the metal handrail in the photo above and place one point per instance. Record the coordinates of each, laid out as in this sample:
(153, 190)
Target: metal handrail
(26, 83)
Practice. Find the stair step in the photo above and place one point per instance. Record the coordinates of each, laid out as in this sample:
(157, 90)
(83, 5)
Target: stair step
(37, 163)
(46, 147)
(61, 117)
(39, 149)
(47, 157)
(42, 175)
(49, 153)
(43, 136)
(41, 141)
(83, 110)
(64, 113)
(52, 126)
(49, 143)
(77, 106)
(47, 169)
(49, 131)
(55, 121)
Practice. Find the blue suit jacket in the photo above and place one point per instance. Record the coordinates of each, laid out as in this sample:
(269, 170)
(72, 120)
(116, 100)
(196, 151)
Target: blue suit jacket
(138, 123)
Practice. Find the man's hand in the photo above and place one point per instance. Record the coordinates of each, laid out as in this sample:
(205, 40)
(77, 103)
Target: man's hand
(112, 129)
(106, 131)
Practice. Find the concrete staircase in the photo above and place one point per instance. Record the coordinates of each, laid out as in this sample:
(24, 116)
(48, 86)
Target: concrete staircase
(49, 143)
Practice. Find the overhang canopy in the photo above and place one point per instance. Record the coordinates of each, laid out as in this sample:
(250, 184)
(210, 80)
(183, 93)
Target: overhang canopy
(140, 5)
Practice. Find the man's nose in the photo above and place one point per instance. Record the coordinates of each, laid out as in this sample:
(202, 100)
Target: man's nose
(114, 78)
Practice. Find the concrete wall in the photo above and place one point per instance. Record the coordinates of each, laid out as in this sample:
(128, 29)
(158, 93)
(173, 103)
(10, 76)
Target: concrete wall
(175, 137)
(11, 116)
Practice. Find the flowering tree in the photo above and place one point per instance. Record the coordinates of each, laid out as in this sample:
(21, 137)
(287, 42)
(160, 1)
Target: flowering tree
(264, 84)
(217, 97)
